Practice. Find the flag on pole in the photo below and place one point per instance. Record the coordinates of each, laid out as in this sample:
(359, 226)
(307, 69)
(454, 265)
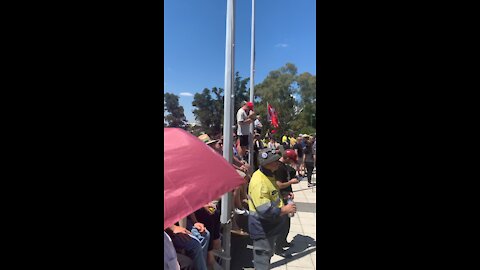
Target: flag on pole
(272, 115)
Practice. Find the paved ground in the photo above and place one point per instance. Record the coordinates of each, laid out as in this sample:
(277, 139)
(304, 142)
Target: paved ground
(302, 234)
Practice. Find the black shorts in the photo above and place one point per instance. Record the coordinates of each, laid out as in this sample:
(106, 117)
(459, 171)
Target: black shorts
(243, 140)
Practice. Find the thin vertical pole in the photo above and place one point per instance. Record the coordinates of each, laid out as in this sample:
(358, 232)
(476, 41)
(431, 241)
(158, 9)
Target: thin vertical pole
(252, 83)
(227, 127)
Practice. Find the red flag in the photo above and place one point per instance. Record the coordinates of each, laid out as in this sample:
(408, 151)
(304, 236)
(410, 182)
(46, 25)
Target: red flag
(272, 115)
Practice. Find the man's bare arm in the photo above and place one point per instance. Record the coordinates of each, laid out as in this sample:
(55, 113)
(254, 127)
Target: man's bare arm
(283, 185)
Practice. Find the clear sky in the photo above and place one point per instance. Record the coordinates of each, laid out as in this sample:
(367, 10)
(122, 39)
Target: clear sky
(194, 42)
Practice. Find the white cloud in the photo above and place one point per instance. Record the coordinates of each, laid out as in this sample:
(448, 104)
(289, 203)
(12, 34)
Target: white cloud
(186, 94)
(281, 45)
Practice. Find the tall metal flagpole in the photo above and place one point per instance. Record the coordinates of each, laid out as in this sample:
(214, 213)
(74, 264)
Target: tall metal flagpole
(252, 83)
(227, 128)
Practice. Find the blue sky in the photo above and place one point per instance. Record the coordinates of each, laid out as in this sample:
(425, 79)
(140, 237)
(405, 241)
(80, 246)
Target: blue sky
(194, 42)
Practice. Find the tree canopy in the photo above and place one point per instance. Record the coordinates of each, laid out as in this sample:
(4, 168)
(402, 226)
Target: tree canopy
(209, 109)
(176, 118)
(209, 105)
(292, 95)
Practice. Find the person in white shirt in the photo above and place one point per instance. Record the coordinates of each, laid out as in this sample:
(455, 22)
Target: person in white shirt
(245, 116)
(273, 144)
(258, 125)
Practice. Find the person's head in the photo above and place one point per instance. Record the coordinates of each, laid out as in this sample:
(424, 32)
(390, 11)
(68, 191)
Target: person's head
(212, 143)
(247, 105)
(269, 160)
(258, 117)
(256, 136)
(309, 144)
(272, 139)
(273, 166)
(290, 156)
(299, 139)
(218, 145)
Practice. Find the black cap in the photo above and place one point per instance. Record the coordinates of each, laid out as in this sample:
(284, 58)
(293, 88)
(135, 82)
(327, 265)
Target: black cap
(267, 156)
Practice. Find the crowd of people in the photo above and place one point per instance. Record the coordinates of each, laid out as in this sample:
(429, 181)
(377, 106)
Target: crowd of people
(262, 205)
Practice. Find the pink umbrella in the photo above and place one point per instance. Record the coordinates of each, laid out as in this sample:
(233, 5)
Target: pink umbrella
(194, 175)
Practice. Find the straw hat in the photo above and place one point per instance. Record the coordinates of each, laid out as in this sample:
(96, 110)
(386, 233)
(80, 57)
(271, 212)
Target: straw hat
(206, 139)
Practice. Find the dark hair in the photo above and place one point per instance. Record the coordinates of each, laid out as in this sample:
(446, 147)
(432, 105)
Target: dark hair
(217, 137)
(309, 148)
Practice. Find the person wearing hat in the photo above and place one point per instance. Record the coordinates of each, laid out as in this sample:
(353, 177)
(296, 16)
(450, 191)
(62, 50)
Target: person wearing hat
(240, 202)
(285, 177)
(267, 212)
(245, 116)
(217, 145)
(206, 139)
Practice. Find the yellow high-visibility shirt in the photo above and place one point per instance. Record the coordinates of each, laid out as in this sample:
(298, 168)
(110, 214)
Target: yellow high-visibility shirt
(264, 205)
(293, 141)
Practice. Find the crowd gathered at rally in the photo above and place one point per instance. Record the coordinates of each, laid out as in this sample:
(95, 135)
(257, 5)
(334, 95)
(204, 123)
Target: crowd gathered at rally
(262, 205)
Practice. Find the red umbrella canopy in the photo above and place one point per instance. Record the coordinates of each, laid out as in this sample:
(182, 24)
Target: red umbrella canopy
(194, 175)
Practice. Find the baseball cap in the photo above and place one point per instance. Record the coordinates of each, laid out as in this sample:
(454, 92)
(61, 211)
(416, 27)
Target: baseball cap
(291, 154)
(267, 156)
(250, 105)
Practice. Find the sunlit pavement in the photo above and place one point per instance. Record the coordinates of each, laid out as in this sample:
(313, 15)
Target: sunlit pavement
(302, 255)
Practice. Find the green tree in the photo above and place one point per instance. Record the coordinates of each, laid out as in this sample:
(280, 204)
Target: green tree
(209, 105)
(278, 89)
(209, 110)
(176, 118)
(241, 92)
(307, 90)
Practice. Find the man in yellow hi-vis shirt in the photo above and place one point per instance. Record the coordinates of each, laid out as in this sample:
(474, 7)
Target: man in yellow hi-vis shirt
(267, 211)
(288, 140)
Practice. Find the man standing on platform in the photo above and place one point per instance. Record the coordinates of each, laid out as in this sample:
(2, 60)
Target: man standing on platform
(245, 116)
